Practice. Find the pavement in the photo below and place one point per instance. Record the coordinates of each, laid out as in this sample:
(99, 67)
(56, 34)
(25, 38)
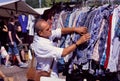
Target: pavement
(16, 73)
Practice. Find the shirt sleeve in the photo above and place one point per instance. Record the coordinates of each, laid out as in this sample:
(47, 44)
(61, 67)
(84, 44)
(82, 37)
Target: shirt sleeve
(56, 34)
(48, 51)
(9, 27)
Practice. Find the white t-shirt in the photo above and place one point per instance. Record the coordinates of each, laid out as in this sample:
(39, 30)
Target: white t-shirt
(45, 51)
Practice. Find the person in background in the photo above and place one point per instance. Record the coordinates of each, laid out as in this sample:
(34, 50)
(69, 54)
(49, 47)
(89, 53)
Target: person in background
(3, 43)
(3, 34)
(44, 48)
(19, 33)
(12, 39)
(5, 55)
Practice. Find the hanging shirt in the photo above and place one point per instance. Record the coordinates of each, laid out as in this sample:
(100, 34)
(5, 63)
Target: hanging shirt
(23, 21)
(30, 25)
(114, 42)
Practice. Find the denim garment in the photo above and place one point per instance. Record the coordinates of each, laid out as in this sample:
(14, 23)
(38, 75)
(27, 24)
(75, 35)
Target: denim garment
(12, 49)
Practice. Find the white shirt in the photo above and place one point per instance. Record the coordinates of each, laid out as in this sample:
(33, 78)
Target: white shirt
(45, 51)
(30, 25)
(113, 58)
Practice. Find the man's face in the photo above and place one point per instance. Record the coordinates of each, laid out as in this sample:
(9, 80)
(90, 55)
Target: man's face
(46, 30)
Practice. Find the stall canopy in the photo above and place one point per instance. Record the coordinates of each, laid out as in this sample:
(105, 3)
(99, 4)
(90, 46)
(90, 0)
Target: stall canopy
(10, 7)
(41, 10)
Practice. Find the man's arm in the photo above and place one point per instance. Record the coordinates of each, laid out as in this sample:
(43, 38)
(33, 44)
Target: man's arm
(5, 29)
(10, 37)
(72, 47)
(79, 30)
(18, 39)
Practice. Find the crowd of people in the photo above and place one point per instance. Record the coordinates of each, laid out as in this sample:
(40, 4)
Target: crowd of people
(9, 50)
(10, 40)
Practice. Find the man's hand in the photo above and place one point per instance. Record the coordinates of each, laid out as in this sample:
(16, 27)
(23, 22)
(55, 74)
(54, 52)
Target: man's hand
(83, 39)
(81, 30)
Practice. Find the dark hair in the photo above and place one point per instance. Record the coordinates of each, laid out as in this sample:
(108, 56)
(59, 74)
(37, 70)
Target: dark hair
(11, 19)
(48, 14)
(16, 16)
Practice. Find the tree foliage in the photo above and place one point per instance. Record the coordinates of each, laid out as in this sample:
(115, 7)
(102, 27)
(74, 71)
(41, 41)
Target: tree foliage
(44, 3)
(33, 3)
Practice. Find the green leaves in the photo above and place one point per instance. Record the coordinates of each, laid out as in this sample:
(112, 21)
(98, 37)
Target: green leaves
(44, 3)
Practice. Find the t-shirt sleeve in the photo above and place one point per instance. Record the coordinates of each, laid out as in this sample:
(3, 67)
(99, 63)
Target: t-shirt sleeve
(56, 52)
(56, 34)
(49, 51)
(9, 27)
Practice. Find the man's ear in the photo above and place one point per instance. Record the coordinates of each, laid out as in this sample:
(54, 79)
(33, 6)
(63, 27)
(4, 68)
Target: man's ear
(40, 33)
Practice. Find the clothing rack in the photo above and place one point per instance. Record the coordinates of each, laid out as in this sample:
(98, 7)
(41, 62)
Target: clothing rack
(96, 67)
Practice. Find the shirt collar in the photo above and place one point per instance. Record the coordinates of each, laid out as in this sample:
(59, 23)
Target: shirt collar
(38, 38)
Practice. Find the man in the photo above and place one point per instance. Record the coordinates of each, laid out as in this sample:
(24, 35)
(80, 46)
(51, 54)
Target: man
(12, 38)
(19, 33)
(44, 48)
